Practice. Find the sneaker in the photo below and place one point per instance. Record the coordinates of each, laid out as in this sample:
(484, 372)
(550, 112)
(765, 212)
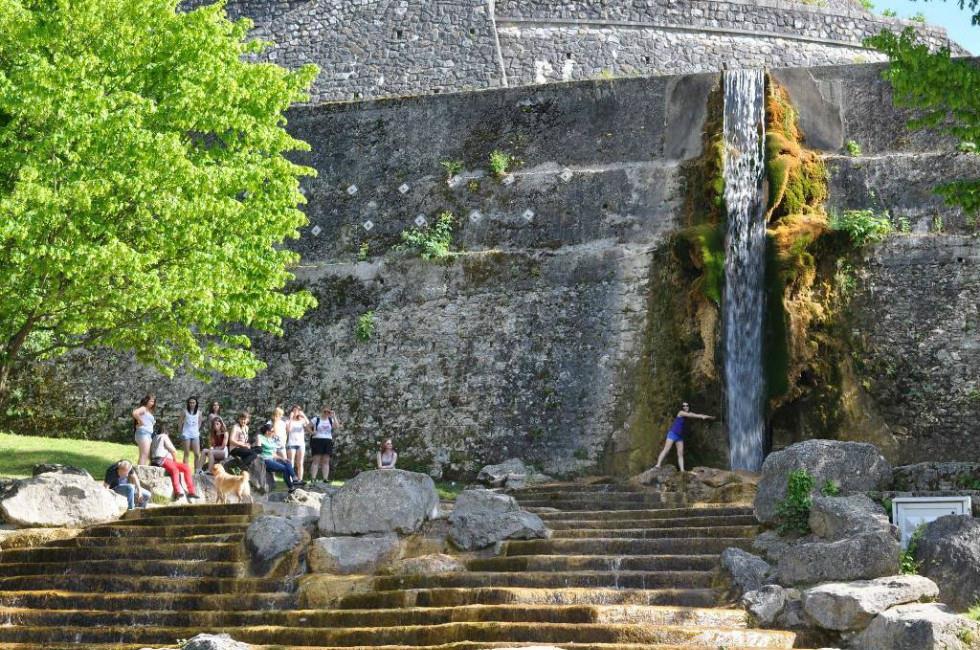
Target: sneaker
(178, 497)
(297, 484)
(194, 496)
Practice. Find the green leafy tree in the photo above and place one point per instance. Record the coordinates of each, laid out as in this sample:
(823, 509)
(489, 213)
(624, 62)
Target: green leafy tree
(144, 189)
(945, 93)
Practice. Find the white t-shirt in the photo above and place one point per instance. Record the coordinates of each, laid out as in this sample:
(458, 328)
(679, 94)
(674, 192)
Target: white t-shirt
(192, 425)
(295, 433)
(323, 429)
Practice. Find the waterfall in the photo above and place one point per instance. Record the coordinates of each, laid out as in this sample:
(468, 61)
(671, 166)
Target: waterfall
(744, 299)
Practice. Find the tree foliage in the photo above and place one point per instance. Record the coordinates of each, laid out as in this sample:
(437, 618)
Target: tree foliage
(144, 190)
(944, 91)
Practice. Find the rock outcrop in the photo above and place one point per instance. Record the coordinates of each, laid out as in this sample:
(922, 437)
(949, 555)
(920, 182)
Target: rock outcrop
(60, 499)
(919, 626)
(835, 518)
(426, 565)
(853, 605)
(510, 473)
(156, 480)
(269, 539)
(212, 642)
(353, 555)
(932, 477)
(482, 518)
(742, 572)
(949, 553)
(380, 501)
(865, 556)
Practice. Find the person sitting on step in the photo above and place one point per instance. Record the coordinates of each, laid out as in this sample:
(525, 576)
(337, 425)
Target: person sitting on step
(163, 454)
(121, 478)
(677, 432)
(275, 459)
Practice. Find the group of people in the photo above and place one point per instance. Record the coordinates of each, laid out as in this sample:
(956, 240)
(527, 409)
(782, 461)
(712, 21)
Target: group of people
(281, 442)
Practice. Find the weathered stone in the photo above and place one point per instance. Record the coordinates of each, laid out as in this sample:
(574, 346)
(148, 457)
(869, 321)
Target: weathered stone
(854, 466)
(156, 480)
(305, 498)
(665, 475)
(212, 642)
(45, 468)
(56, 499)
(426, 565)
(932, 477)
(509, 473)
(834, 518)
(949, 553)
(765, 603)
(27, 537)
(322, 591)
(770, 545)
(852, 605)
(380, 501)
(353, 555)
(270, 538)
(919, 626)
(862, 557)
(743, 571)
(481, 518)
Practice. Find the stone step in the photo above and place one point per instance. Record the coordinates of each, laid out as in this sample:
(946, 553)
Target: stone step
(196, 510)
(521, 596)
(464, 645)
(596, 497)
(169, 532)
(518, 633)
(100, 541)
(650, 513)
(576, 488)
(181, 568)
(146, 584)
(596, 563)
(223, 551)
(51, 599)
(548, 579)
(613, 546)
(652, 522)
(658, 533)
(244, 520)
(585, 614)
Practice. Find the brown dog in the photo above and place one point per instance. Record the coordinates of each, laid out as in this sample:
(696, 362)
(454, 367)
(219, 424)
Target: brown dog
(229, 484)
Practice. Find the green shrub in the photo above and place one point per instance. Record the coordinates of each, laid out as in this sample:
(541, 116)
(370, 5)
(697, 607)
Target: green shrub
(853, 148)
(937, 223)
(499, 162)
(868, 5)
(861, 226)
(794, 510)
(363, 251)
(919, 17)
(907, 562)
(974, 613)
(830, 488)
(433, 241)
(967, 147)
(889, 13)
(365, 326)
(452, 167)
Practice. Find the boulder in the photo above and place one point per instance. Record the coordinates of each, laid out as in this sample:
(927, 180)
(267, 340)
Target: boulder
(482, 518)
(380, 501)
(919, 626)
(212, 642)
(834, 518)
(862, 557)
(156, 480)
(852, 605)
(57, 468)
(931, 477)
(664, 476)
(743, 572)
(58, 499)
(854, 466)
(426, 565)
(949, 553)
(269, 539)
(770, 545)
(353, 555)
(509, 473)
(765, 603)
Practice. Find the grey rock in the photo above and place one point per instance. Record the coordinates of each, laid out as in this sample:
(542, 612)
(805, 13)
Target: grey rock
(481, 518)
(45, 468)
(765, 603)
(852, 605)
(770, 545)
(949, 553)
(510, 473)
(744, 571)
(862, 557)
(835, 518)
(353, 555)
(932, 477)
(305, 498)
(854, 466)
(155, 479)
(57, 499)
(212, 642)
(426, 565)
(919, 626)
(268, 538)
(380, 501)
(665, 475)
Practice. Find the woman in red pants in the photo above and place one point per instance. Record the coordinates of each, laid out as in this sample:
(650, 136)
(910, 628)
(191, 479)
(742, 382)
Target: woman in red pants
(163, 454)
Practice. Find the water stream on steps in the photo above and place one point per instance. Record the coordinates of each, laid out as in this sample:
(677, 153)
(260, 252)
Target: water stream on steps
(744, 299)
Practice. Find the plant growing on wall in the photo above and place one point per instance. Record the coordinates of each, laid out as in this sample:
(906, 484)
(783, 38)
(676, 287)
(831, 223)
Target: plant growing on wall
(452, 167)
(862, 227)
(794, 510)
(853, 148)
(432, 242)
(145, 186)
(364, 329)
(499, 162)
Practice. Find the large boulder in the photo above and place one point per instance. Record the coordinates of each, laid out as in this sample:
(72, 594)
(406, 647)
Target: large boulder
(949, 553)
(426, 565)
(380, 501)
(862, 557)
(853, 466)
(156, 480)
(742, 572)
(851, 605)
(353, 555)
(59, 499)
(271, 539)
(919, 626)
(212, 642)
(507, 473)
(834, 518)
(482, 518)
(932, 477)
(765, 604)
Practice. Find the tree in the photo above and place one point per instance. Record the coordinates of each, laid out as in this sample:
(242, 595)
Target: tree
(144, 189)
(944, 91)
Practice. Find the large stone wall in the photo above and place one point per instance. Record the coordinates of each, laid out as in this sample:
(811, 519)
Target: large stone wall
(559, 333)
(384, 48)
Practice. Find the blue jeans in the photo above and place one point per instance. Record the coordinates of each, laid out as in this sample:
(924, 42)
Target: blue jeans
(288, 473)
(129, 491)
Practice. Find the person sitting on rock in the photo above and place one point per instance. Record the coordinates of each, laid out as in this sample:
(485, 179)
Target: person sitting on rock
(238, 444)
(387, 456)
(163, 454)
(677, 432)
(121, 478)
(275, 459)
(219, 442)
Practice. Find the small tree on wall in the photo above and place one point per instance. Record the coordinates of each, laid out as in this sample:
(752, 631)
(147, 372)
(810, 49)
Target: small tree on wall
(144, 190)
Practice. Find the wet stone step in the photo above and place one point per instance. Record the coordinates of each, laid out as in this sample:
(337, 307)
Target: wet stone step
(100, 541)
(660, 533)
(464, 645)
(658, 522)
(173, 568)
(618, 579)
(575, 488)
(197, 510)
(548, 633)
(228, 552)
(611, 546)
(243, 520)
(146, 584)
(665, 513)
(171, 532)
(151, 601)
(596, 563)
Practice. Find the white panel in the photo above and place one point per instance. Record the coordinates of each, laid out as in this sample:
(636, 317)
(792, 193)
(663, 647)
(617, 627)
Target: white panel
(908, 513)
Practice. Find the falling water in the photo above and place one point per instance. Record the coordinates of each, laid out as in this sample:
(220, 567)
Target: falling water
(744, 265)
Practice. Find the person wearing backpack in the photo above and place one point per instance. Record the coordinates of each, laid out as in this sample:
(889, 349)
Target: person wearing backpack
(321, 442)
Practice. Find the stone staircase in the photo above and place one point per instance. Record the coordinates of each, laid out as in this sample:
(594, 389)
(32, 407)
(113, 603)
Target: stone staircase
(624, 569)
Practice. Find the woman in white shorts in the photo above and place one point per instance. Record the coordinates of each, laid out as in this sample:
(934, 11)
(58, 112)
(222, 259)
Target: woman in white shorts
(144, 423)
(296, 427)
(190, 431)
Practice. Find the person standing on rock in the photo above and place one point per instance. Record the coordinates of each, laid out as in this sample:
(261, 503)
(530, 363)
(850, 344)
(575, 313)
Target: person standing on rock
(190, 431)
(163, 455)
(677, 432)
(144, 423)
(321, 442)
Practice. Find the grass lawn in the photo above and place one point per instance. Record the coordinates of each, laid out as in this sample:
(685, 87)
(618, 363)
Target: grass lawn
(19, 454)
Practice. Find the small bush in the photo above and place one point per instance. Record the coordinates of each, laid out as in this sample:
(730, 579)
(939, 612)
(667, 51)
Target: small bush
(363, 251)
(499, 162)
(794, 510)
(863, 227)
(919, 17)
(853, 148)
(904, 225)
(937, 224)
(967, 147)
(433, 241)
(830, 488)
(452, 167)
(889, 13)
(974, 613)
(868, 5)
(365, 326)
(907, 563)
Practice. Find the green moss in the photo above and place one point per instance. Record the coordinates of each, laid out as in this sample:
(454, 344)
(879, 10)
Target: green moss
(776, 346)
